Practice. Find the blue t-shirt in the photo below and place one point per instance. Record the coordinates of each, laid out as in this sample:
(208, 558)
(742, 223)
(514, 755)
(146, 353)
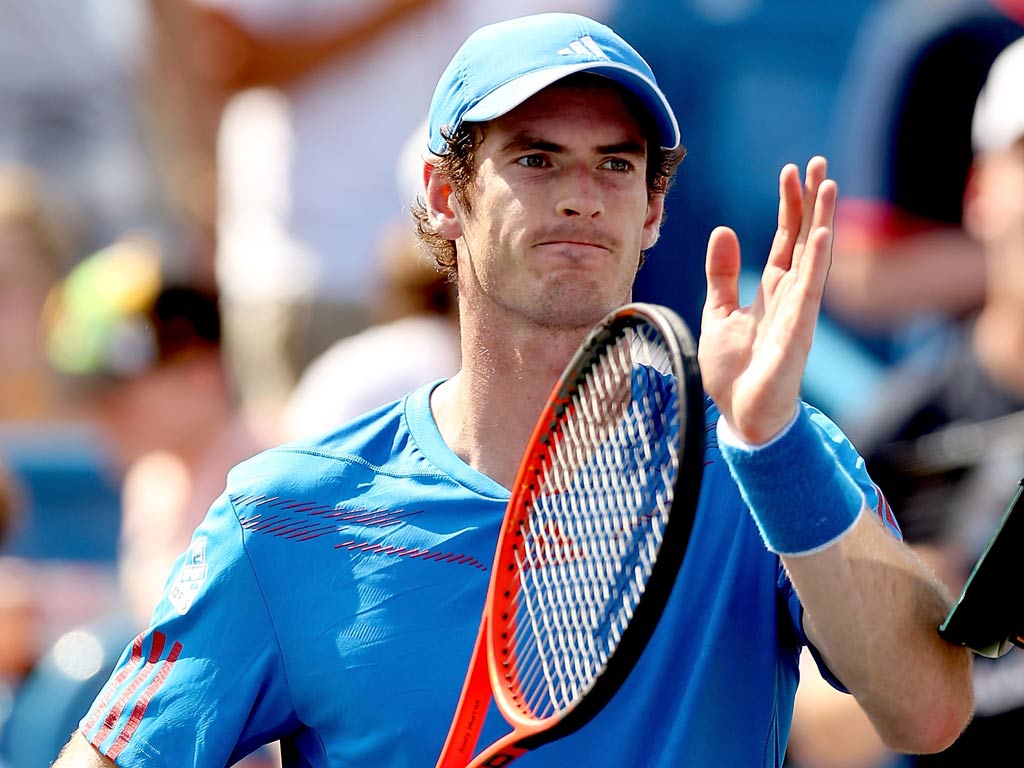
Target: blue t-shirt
(332, 596)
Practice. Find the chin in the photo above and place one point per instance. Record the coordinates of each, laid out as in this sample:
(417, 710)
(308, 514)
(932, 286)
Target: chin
(574, 310)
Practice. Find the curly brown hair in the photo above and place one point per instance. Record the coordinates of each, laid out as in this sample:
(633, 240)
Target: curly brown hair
(458, 165)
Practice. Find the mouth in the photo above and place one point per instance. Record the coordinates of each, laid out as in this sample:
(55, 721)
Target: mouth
(572, 254)
(572, 244)
(575, 245)
(575, 240)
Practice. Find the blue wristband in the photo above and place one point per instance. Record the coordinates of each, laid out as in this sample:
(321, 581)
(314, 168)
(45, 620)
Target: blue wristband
(800, 497)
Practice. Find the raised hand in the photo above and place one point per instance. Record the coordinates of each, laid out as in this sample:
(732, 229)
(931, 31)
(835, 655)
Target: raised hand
(753, 358)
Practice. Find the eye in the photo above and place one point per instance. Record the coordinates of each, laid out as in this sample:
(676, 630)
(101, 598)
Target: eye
(617, 164)
(533, 161)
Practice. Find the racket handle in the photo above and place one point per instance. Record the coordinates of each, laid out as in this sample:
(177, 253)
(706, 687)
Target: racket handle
(471, 710)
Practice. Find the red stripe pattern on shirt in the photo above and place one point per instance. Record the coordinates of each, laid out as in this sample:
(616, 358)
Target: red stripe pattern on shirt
(128, 681)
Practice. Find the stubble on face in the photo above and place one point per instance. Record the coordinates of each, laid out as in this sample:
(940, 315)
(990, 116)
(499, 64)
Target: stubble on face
(559, 210)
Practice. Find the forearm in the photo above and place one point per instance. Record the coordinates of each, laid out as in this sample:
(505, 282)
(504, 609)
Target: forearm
(79, 753)
(871, 607)
(245, 59)
(872, 610)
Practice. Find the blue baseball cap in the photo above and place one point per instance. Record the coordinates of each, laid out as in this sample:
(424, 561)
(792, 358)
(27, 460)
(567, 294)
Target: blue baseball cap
(502, 65)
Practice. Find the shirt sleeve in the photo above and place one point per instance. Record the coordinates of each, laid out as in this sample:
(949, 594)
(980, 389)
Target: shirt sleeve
(203, 685)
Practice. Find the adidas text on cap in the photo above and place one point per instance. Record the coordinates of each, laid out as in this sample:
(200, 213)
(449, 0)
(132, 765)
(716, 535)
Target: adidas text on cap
(502, 65)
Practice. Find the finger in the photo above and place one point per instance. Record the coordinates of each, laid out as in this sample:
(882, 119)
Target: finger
(817, 259)
(824, 214)
(803, 305)
(722, 268)
(790, 192)
(819, 209)
(825, 205)
(817, 169)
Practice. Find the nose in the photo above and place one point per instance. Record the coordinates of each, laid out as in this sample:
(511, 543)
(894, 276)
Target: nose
(580, 194)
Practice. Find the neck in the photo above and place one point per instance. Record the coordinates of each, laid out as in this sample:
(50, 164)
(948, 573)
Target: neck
(487, 413)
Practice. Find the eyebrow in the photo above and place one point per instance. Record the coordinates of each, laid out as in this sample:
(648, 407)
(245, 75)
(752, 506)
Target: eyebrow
(523, 141)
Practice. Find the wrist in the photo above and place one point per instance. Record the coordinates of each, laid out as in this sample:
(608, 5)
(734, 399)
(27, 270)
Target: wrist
(730, 436)
(800, 497)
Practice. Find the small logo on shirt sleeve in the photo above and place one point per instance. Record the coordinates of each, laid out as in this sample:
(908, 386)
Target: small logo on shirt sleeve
(191, 577)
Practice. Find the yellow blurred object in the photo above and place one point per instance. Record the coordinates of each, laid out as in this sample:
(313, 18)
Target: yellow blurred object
(96, 319)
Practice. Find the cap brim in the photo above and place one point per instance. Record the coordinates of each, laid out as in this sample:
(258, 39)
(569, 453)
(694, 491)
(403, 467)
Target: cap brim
(510, 95)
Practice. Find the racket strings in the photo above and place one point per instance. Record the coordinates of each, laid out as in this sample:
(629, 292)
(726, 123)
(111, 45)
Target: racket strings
(595, 524)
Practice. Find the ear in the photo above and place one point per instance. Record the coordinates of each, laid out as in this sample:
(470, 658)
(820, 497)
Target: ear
(441, 203)
(652, 224)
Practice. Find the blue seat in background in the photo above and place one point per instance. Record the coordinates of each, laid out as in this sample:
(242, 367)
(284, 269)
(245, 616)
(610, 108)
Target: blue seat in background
(69, 520)
(72, 506)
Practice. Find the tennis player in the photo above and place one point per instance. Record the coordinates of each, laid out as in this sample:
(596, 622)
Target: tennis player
(331, 598)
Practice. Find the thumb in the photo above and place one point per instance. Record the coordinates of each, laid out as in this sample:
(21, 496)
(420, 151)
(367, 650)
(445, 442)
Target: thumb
(722, 268)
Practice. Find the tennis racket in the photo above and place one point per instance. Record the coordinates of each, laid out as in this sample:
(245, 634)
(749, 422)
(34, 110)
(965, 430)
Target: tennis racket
(595, 531)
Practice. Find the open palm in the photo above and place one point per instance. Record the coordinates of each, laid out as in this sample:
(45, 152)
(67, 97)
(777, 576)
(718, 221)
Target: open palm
(753, 358)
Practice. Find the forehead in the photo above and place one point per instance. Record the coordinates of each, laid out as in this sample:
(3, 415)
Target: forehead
(577, 105)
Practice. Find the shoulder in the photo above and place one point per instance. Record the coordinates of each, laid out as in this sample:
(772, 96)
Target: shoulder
(837, 440)
(390, 453)
(850, 461)
(375, 440)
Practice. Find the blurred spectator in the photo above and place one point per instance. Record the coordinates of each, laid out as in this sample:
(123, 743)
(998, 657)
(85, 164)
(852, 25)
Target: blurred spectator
(414, 338)
(902, 249)
(944, 439)
(181, 108)
(143, 355)
(68, 107)
(415, 341)
(36, 240)
(903, 262)
(324, 93)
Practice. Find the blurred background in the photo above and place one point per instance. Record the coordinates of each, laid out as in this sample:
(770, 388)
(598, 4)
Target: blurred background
(204, 229)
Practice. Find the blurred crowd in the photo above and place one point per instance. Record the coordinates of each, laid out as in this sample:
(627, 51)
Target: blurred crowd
(205, 249)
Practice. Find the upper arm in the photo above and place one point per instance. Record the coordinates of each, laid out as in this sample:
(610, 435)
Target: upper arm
(79, 753)
(210, 634)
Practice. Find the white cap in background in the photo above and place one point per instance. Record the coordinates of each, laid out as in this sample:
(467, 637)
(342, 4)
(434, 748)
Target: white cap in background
(999, 112)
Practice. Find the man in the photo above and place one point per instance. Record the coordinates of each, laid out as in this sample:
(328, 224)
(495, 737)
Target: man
(139, 351)
(296, 615)
(904, 258)
(948, 445)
